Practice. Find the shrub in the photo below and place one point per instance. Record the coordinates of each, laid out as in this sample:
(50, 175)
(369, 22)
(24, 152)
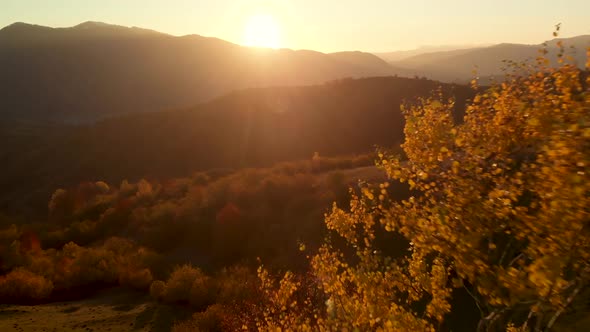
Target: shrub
(93, 265)
(116, 261)
(158, 289)
(201, 292)
(180, 284)
(21, 284)
(119, 246)
(211, 320)
(136, 278)
(42, 263)
(237, 285)
(185, 285)
(188, 325)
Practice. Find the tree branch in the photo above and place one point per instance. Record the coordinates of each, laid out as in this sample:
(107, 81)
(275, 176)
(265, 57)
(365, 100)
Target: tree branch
(560, 311)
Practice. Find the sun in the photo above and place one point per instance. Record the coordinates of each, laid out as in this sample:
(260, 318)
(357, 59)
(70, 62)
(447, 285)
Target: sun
(262, 30)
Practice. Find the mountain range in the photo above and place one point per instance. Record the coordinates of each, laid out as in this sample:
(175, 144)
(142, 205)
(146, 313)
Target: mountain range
(401, 55)
(458, 65)
(95, 70)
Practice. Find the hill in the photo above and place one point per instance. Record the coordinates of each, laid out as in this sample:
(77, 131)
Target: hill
(248, 128)
(458, 65)
(96, 70)
(401, 55)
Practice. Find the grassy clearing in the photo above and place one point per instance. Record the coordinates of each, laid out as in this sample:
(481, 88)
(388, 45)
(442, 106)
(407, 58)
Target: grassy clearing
(114, 310)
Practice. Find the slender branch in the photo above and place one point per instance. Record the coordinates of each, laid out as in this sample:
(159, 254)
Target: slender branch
(539, 321)
(560, 311)
(497, 316)
(489, 317)
(516, 258)
(571, 298)
(531, 314)
(477, 302)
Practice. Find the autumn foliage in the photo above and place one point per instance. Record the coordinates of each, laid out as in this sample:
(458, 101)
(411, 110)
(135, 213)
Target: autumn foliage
(499, 210)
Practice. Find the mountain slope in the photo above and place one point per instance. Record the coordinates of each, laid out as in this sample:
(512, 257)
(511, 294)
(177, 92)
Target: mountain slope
(249, 128)
(367, 62)
(401, 55)
(458, 65)
(95, 70)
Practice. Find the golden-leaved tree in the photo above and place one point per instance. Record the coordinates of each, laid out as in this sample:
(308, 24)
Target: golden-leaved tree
(500, 209)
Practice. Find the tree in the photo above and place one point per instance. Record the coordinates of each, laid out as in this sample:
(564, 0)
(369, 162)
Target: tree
(501, 210)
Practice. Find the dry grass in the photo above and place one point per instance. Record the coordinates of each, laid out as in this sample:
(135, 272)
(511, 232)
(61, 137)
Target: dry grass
(114, 310)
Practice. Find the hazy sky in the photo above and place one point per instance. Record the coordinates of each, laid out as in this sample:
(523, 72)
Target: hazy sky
(326, 25)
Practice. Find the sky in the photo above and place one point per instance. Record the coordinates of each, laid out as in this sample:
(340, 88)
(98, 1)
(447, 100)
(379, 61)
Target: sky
(325, 25)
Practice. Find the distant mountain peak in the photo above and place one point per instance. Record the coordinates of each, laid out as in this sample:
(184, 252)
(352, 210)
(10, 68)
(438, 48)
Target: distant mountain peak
(89, 25)
(22, 26)
(95, 24)
(17, 25)
(89, 29)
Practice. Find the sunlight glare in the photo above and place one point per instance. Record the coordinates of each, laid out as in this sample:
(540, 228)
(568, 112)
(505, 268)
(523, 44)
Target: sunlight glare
(262, 30)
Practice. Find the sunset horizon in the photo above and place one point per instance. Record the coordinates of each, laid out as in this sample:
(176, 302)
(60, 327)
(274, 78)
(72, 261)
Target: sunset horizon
(278, 42)
(395, 26)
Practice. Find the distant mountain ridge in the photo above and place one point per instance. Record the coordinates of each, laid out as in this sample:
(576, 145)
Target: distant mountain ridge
(25, 33)
(401, 55)
(95, 70)
(457, 65)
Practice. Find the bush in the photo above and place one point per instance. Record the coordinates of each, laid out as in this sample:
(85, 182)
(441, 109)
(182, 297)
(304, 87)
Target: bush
(21, 284)
(185, 285)
(93, 265)
(179, 287)
(237, 285)
(158, 289)
(202, 292)
(117, 261)
(211, 319)
(136, 278)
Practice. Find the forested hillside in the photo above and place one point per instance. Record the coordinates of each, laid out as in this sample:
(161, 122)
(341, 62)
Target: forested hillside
(95, 70)
(249, 128)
